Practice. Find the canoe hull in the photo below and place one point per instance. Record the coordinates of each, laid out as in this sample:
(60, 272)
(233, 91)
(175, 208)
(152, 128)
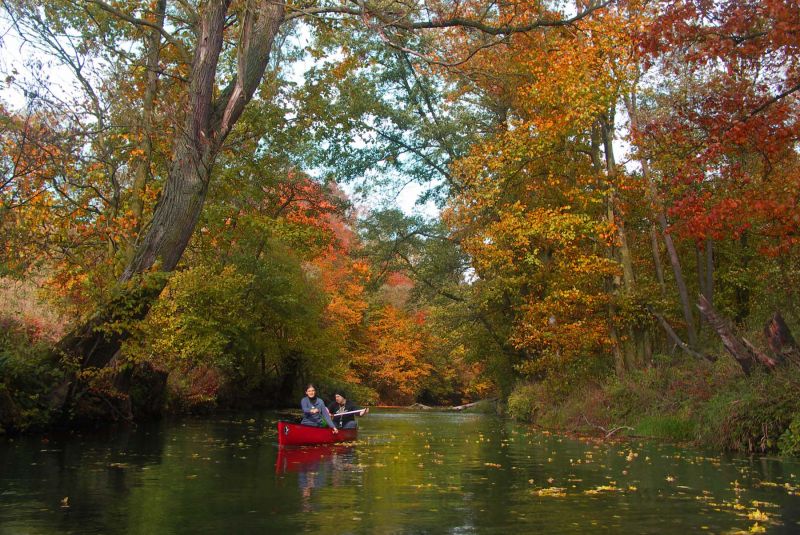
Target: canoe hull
(290, 434)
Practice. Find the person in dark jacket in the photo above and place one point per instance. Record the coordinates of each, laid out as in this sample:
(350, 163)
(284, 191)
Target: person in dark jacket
(347, 421)
(314, 410)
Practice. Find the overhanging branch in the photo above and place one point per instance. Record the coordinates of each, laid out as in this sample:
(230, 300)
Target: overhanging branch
(185, 56)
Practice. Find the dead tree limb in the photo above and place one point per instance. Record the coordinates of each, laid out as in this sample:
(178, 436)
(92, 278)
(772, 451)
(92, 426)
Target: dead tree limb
(732, 344)
(672, 335)
(759, 355)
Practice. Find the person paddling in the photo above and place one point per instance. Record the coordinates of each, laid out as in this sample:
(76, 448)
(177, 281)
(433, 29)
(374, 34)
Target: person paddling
(342, 405)
(314, 410)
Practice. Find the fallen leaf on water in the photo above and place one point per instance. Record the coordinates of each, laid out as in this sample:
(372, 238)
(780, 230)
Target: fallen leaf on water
(758, 515)
(555, 492)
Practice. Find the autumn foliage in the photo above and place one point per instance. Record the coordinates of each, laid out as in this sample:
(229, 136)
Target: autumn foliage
(594, 174)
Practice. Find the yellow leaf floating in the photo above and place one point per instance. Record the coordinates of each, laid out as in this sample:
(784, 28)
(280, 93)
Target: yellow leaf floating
(553, 492)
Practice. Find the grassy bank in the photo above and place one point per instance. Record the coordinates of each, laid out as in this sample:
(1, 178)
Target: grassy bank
(709, 404)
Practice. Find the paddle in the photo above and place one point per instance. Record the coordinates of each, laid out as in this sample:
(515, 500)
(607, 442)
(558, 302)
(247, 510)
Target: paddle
(346, 413)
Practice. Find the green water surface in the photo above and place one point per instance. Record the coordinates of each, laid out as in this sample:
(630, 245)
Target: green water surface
(409, 472)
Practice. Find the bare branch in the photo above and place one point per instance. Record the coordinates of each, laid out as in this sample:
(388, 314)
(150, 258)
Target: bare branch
(187, 58)
(775, 99)
(439, 22)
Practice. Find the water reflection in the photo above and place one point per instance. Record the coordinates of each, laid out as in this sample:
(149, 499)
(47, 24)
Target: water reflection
(310, 459)
(316, 467)
(408, 473)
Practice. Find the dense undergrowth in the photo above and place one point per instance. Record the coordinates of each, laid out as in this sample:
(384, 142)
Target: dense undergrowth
(709, 404)
(674, 398)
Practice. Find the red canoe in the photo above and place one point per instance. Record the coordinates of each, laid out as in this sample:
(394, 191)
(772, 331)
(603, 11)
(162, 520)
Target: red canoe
(290, 434)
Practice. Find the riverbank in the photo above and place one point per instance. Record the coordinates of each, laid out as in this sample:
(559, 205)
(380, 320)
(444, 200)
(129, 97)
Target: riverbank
(707, 404)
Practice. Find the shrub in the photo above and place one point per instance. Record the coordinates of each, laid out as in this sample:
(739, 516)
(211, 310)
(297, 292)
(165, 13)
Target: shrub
(789, 442)
(752, 412)
(523, 402)
(27, 376)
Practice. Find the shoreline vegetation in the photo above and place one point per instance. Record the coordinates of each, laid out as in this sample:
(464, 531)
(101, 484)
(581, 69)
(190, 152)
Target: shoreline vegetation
(709, 403)
(606, 235)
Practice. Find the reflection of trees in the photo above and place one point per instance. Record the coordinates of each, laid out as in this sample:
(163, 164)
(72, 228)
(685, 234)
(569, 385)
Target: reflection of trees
(424, 473)
(97, 474)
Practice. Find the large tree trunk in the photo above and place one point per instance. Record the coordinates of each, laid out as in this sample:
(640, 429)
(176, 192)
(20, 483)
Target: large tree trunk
(207, 124)
(661, 218)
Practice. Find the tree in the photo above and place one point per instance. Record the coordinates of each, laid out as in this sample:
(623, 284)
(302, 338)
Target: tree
(214, 99)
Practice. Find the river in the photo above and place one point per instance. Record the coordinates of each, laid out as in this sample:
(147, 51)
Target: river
(409, 473)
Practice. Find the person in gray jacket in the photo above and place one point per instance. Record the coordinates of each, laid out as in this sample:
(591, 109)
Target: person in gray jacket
(314, 410)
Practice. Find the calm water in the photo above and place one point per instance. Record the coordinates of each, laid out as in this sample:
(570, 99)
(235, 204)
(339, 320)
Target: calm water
(408, 473)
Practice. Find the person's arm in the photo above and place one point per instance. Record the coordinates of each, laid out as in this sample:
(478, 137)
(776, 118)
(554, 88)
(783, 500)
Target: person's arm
(306, 405)
(332, 408)
(327, 415)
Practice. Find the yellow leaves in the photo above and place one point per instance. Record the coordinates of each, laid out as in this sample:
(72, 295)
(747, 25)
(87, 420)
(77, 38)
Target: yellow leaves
(391, 359)
(551, 492)
(758, 515)
(601, 489)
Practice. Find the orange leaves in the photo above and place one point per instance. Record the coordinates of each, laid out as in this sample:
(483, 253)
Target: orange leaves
(533, 212)
(391, 359)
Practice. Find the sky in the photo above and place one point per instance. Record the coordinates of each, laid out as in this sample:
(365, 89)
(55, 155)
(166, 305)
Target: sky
(18, 63)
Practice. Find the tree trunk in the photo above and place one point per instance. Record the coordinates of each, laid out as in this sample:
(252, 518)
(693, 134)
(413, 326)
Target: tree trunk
(701, 269)
(780, 340)
(141, 174)
(657, 258)
(208, 122)
(701, 279)
(661, 218)
(607, 132)
(742, 350)
(733, 345)
(709, 293)
(628, 356)
(742, 293)
(672, 335)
